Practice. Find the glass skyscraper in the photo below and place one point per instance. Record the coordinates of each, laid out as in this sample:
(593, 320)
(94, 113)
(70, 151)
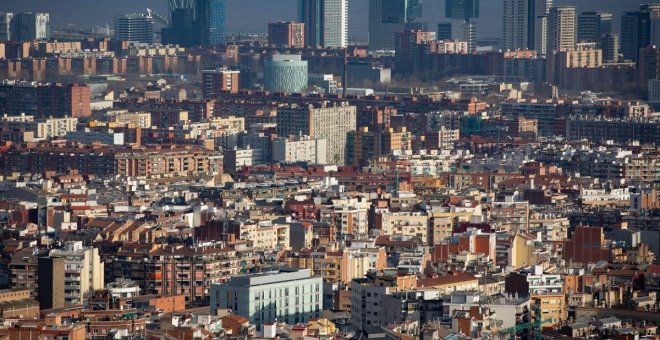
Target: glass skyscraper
(196, 22)
(211, 21)
(387, 17)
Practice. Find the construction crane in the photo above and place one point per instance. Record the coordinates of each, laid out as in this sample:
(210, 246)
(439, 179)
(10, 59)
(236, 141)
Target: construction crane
(536, 325)
(157, 16)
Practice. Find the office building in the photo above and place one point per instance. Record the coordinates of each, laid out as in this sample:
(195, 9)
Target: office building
(30, 26)
(461, 9)
(326, 22)
(5, 25)
(462, 26)
(218, 80)
(635, 34)
(593, 25)
(285, 73)
(50, 284)
(182, 24)
(196, 22)
(562, 30)
(324, 120)
(515, 24)
(537, 25)
(387, 17)
(287, 34)
(286, 295)
(444, 31)
(135, 27)
(211, 21)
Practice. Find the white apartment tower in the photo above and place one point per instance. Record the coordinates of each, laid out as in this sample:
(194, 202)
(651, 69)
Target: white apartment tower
(562, 28)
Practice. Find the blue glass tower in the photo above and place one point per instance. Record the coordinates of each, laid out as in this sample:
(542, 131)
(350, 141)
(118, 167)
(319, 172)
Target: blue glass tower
(211, 21)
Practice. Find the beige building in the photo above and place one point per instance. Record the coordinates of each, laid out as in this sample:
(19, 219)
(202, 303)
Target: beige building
(140, 119)
(408, 224)
(267, 236)
(562, 28)
(83, 271)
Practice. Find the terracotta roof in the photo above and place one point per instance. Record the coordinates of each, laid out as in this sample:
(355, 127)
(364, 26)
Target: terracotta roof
(451, 278)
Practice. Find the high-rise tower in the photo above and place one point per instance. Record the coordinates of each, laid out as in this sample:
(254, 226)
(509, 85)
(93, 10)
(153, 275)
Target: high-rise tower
(386, 17)
(326, 22)
(562, 30)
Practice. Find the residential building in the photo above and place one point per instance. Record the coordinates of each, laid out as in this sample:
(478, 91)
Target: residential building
(51, 282)
(218, 80)
(324, 120)
(45, 100)
(515, 24)
(562, 28)
(83, 271)
(287, 295)
(302, 149)
(368, 293)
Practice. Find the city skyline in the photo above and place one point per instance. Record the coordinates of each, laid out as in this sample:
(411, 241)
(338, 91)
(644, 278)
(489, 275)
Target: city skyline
(240, 14)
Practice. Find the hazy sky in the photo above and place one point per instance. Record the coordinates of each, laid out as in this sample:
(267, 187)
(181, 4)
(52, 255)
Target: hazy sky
(253, 15)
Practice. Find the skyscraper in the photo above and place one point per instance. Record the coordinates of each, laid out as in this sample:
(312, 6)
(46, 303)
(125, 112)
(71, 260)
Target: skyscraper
(461, 13)
(462, 9)
(196, 22)
(182, 24)
(635, 33)
(30, 26)
(593, 25)
(135, 27)
(211, 21)
(561, 28)
(515, 24)
(537, 37)
(386, 17)
(326, 22)
(5, 25)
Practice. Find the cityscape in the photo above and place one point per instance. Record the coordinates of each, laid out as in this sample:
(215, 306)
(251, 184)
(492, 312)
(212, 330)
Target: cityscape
(329, 169)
